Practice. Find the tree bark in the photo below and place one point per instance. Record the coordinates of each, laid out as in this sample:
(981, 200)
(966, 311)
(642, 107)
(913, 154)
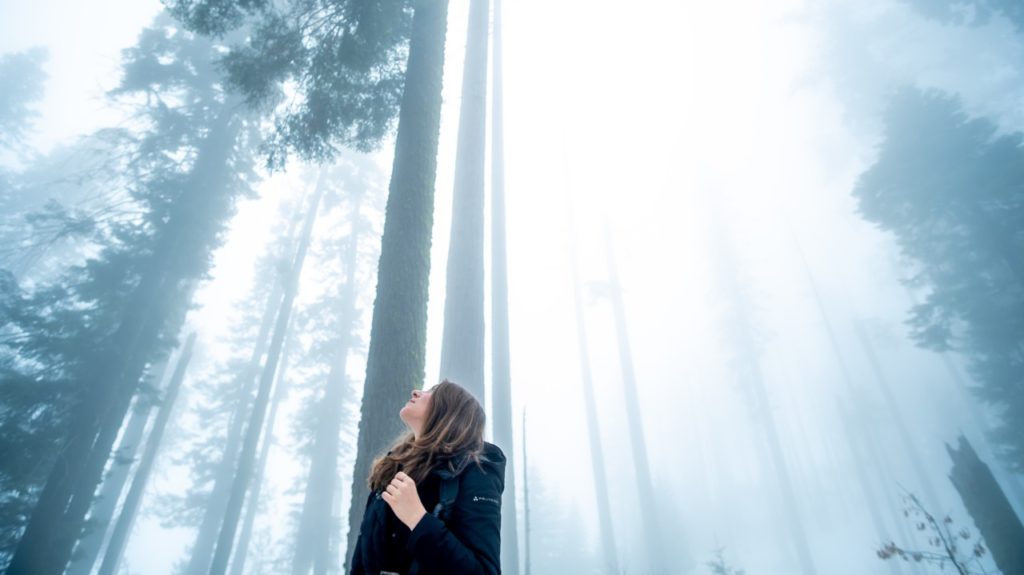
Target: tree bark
(395, 360)
(462, 345)
(984, 499)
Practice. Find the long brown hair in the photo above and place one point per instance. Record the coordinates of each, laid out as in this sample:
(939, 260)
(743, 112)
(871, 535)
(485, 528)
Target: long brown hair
(453, 434)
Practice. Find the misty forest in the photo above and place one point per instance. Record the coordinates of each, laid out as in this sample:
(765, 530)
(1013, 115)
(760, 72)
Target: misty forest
(739, 284)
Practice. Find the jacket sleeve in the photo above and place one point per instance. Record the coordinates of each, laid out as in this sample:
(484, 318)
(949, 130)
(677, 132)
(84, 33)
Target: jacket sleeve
(357, 555)
(470, 544)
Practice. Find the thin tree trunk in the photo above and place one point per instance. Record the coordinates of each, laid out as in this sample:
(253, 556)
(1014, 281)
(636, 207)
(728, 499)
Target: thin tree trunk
(252, 507)
(657, 558)
(88, 549)
(316, 527)
(122, 529)
(910, 450)
(462, 344)
(751, 377)
(526, 494)
(213, 515)
(246, 459)
(501, 363)
(860, 465)
(604, 514)
(394, 363)
(855, 414)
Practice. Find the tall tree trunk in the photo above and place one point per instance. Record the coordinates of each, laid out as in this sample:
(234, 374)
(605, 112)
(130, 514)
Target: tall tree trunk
(102, 512)
(750, 376)
(526, 495)
(122, 529)
(910, 450)
(991, 510)
(604, 513)
(206, 536)
(394, 363)
(316, 525)
(501, 362)
(462, 345)
(113, 374)
(247, 457)
(863, 448)
(253, 504)
(657, 558)
(860, 466)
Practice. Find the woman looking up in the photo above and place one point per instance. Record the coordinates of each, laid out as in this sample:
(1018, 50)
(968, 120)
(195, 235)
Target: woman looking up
(435, 497)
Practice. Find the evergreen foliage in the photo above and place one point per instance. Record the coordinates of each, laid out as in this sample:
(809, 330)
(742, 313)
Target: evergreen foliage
(971, 12)
(23, 79)
(74, 350)
(948, 187)
(344, 58)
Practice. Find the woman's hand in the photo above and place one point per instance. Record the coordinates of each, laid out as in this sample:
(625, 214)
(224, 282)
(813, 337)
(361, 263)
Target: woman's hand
(401, 495)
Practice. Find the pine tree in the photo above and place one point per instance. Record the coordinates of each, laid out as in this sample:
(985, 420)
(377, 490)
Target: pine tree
(121, 311)
(23, 79)
(254, 429)
(947, 187)
(332, 322)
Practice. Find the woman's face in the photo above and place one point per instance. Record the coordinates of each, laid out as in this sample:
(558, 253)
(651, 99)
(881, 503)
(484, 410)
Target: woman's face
(415, 411)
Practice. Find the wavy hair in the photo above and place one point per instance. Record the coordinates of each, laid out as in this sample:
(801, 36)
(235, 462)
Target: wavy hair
(452, 435)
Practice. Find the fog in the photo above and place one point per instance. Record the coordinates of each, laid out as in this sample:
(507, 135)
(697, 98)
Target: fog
(740, 241)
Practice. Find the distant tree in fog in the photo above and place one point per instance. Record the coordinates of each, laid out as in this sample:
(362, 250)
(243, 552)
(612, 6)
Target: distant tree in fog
(971, 12)
(558, 541)
(949, 187)
(221, 399)
(77, 348)
(332, 322)
(247, 457)
(23, 80)
(719, 566)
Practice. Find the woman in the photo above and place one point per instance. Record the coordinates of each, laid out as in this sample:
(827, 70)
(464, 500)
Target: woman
(435, 498)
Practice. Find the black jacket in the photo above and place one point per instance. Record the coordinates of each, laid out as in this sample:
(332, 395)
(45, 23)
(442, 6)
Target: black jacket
(467, 543)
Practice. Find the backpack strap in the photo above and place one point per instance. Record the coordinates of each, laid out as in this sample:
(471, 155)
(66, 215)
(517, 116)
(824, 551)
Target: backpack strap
(449, 492)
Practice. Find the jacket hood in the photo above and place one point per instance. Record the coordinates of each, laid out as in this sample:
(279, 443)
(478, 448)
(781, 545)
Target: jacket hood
(492, 460)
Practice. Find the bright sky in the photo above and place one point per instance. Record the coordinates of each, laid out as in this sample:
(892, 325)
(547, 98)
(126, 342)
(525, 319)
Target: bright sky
(647, 115)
